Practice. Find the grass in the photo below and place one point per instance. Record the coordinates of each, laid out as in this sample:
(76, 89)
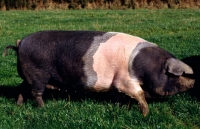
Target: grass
(177, 31)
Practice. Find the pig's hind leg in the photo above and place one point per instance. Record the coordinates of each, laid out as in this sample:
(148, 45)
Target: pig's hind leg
(40, 80)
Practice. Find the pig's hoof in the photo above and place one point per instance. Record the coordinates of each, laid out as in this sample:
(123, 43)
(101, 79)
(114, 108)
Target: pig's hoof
(145, 112)
(144, 109)
(20, 100)
(40, 102)
(38, 98)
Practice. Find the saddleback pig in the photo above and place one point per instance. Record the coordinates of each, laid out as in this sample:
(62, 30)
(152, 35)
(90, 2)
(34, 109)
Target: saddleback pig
(100, 61)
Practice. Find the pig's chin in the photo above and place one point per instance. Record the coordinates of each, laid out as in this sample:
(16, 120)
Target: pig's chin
(161, 92)
(151, 94)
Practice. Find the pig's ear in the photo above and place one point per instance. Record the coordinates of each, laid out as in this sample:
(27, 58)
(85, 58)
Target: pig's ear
(174, 66)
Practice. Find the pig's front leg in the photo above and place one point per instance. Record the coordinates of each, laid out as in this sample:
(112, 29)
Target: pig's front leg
(134, 90)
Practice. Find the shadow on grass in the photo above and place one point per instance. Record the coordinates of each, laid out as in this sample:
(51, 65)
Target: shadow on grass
(194, 62)
(8, 91)
(11, 92)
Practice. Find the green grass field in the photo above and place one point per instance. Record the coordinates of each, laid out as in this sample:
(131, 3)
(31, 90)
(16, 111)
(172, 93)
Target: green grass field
(177, 31)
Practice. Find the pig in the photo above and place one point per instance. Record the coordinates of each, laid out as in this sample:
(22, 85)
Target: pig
(99, 62)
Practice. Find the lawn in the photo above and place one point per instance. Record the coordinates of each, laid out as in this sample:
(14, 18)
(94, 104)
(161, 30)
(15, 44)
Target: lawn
(177, 31)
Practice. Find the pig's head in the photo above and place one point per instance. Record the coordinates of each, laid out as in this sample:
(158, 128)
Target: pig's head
(176, 77)
(161, 73)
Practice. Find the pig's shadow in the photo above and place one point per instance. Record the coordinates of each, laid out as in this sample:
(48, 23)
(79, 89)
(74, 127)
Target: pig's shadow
(10, 92)
(194, 62)
(113, 96)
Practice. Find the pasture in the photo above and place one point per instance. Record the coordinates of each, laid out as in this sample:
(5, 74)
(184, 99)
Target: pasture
(177, 31)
